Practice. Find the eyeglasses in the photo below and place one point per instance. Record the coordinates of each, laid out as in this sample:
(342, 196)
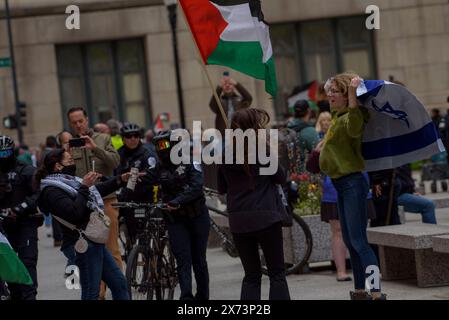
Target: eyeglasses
(6, 153)
(333, 92)
(162, 145)
(131, 135)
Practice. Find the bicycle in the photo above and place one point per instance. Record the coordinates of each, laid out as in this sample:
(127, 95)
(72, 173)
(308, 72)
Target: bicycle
(299, 231)
(151, 269)
(226, 241)
(125, 242)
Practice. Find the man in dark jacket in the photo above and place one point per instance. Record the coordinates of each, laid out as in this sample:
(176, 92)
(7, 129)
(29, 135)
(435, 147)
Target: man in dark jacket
(134, 155)
(411, 200)
(18, 194)
(385, 197)
(188, 229)
(230, 100)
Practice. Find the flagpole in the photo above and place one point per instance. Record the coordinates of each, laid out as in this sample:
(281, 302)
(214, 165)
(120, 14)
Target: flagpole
(214, 92)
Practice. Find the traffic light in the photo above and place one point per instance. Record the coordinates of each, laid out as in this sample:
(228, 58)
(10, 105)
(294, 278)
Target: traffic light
(23, 114)
(10, 122)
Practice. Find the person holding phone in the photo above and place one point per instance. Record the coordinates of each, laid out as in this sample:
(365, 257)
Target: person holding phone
(233, 97)
(97, 147)
(73, 199)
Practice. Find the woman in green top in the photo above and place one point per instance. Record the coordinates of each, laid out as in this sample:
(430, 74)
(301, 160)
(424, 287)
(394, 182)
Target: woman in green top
(341, 159)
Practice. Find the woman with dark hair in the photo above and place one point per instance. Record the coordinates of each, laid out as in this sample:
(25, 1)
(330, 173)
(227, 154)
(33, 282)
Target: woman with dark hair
(73, 200)
(255, 213)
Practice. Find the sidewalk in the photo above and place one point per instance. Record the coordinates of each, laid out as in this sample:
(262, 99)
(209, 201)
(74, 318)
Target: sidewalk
(226, 274)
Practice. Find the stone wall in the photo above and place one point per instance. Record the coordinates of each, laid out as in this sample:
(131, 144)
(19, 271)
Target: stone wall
(412, 46)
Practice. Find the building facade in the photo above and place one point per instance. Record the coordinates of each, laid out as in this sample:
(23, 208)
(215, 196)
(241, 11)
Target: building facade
(120, 63)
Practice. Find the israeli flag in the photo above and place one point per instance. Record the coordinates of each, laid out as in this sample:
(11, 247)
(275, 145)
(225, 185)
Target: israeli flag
(399, 131)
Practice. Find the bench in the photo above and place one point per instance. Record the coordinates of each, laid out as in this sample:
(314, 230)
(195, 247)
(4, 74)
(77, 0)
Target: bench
(406, 252)
(441, 244)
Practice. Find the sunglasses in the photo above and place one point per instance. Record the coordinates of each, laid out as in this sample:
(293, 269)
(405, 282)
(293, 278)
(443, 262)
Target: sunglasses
(163, 145)
(132, 135)
(6, 153)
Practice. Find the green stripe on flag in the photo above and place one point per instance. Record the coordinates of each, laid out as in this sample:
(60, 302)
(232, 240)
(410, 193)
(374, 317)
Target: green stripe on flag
(246, 57)
(11, 268)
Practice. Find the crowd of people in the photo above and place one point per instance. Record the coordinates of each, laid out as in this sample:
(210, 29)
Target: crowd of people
(80, 172)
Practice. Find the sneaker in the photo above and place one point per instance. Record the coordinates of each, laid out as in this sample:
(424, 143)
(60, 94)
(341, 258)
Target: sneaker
(360, 295)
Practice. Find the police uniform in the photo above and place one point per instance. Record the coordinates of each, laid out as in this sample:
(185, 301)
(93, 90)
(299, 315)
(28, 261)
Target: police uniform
(182, 185)
(144, 191)
(22, 231)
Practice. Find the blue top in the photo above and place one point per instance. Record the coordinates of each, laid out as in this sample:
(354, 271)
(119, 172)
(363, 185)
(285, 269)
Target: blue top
(329, 192)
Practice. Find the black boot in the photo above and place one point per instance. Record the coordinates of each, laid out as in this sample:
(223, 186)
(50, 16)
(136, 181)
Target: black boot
(360, 295)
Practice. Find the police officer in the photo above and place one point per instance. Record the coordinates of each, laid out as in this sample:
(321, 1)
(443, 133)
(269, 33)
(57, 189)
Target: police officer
(134, 155)
(182, 190)
(18, 195)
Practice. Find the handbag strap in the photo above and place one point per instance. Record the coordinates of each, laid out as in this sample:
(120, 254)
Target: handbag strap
(65, 223)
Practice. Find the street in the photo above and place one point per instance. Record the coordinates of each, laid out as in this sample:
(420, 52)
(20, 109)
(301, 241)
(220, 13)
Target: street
(226, 274)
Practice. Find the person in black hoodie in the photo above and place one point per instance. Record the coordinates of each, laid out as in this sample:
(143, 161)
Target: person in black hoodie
(133, 154)
(73, 200)
(255, 214)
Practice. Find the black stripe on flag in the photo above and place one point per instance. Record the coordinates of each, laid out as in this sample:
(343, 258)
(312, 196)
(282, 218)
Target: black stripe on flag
(254, 5)
(229, 2)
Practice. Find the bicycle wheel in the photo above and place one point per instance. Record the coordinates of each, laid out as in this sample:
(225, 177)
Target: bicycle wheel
(297, 257)
(167, 278)
(137, 274)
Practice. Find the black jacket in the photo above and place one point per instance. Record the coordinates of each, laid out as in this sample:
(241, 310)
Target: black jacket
(180, 185)
(404, 176)
(143, 192)
(253, 202)
(20, 194)
(72, 209)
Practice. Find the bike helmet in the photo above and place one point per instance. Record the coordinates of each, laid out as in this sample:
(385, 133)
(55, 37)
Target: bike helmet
(6, 147)
(162, 141)
(130, 128)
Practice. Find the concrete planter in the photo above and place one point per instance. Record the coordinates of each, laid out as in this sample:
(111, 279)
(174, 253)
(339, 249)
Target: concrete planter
(294, 241)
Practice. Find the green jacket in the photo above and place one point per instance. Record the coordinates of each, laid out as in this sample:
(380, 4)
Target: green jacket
(307, 139)
(342, 152)
(105, 156)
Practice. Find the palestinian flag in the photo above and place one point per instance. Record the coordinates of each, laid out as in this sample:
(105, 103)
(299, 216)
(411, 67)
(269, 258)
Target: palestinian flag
(233, 33)
(306, 92)
(11, 268)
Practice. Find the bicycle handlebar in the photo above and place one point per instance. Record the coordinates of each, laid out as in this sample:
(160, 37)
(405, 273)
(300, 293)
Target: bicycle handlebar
(134, 205)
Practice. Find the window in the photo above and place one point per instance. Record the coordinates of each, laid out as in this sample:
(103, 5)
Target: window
(106, 78)
(316, 50)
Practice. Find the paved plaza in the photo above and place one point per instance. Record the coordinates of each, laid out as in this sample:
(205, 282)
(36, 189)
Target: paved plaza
(226, 274)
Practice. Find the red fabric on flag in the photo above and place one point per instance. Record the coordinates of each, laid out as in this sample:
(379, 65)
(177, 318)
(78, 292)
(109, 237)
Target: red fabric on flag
(313, 90)
(159, 124)
(206, 23)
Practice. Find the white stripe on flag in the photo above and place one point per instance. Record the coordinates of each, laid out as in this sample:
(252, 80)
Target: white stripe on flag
(3, 239)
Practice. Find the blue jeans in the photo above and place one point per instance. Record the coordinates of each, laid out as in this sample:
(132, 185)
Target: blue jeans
(97, 264)
(417, 204)
(352, 190)
(188, 241)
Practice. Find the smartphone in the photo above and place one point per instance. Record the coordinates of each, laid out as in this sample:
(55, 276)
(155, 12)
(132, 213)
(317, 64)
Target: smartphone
(77, 142)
